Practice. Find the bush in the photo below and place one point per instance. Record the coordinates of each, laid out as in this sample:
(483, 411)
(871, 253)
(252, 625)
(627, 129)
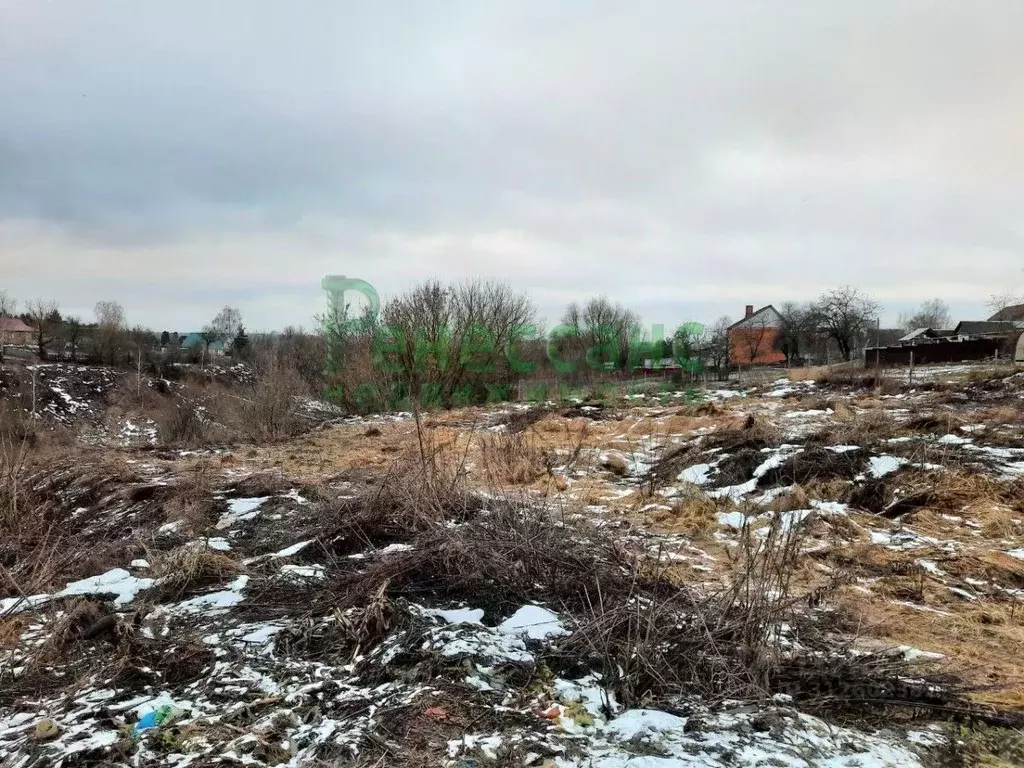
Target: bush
(270, 409)
(184, 422)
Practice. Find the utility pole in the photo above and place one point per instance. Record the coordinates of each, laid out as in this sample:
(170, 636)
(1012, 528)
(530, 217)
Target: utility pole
(878, 351)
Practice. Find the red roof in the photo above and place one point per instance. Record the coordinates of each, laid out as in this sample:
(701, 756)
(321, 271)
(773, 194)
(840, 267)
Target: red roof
(12, 324)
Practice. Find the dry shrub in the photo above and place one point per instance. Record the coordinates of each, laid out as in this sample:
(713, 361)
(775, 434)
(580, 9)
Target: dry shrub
(843, 412)
(756, 433)
(189, 569)
(11, 628)
(409, 499)
(1003, 414)
(511, 458)
(266, 483)
(940, 423)
(184, 421)
(517, 421)
(695, 515)
(80, 615)
(866, 429)
(818, 464)
(660, 642)
(796, 498)
(191, 501)
(500, 559)
(31, 538)
(997, 521)
(270, 409)
(16, 425)
(133, 396)
(880, 382)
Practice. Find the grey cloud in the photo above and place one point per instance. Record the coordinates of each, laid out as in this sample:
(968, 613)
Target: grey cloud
(661, 152)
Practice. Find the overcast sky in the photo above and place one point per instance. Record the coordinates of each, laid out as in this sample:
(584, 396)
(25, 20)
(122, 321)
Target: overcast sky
(685, 158)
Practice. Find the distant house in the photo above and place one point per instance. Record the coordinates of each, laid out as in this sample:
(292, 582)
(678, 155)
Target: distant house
(755, 340)
(14, 332)
(987, 328)
(969, 340)
(1011, 313)
(195, 340)
(919, 335)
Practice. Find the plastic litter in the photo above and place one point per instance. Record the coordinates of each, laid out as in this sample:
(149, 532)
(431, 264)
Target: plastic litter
(164, 715)
(45, 730)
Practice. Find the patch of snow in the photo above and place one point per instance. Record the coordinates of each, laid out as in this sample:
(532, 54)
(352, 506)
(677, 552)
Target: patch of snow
(534, 622)
(734, 491)
(732, 520)
(458, 615)
(391, 549)
(294, 549)
(697, 474)
(634, 723)
(217, 544)
(806, 414)
(215, 602)
(302, 572)
(241, 509)
(10, 605)
(880, 466)
(117, 582)
(837, 508)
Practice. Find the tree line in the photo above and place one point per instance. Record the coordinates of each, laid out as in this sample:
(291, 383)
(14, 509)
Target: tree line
(470, 341)
(107, 338)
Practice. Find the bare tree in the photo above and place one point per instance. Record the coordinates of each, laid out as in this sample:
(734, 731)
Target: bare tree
(226, 324)
(110, 331)
(997, 302)
(453, 339)
(602, 331)
(222, 328)
(44, 316)
(796, 329)
(688, 346)
(109, 315)
(72, 331)
(846, 316)
(753, 338)
(718, 345)
(933, 313)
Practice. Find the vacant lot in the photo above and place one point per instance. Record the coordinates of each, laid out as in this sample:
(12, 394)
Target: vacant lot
(817, 571)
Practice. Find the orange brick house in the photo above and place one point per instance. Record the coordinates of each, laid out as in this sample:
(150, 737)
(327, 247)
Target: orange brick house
(754, 340)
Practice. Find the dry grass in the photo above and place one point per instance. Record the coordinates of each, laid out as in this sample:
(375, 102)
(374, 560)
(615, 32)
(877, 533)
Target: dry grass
(511, 458)
(189, 569)
(864, 429)
(191, 501)
(268, 410)
(184, 421)
(694, 515)
(982, 643)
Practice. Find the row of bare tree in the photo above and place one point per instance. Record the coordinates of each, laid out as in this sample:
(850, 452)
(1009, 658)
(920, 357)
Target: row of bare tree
(107, 338)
